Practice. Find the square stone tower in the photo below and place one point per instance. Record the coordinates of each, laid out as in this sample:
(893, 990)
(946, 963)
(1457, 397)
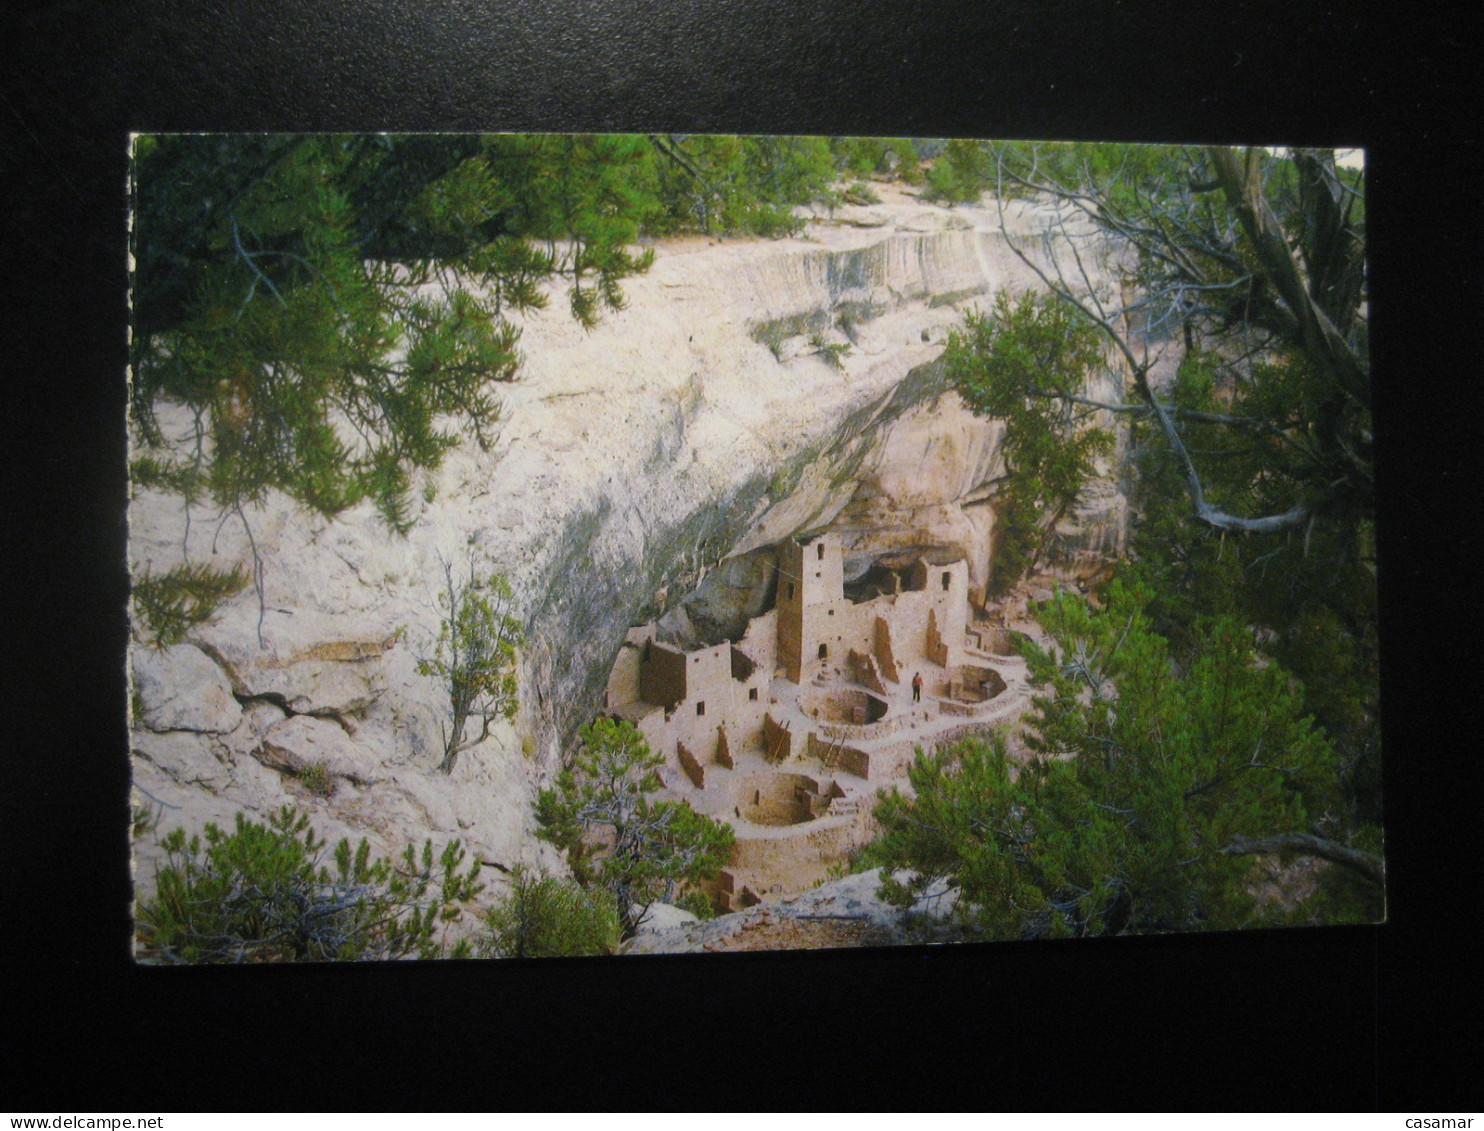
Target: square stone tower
(811, 606)
(947, 589)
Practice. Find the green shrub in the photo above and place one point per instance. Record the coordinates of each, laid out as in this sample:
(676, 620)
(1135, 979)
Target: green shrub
(175, 602)
(262, 893)
(186, 480)
(143, 820)
(698, 903)
(1150, 774)
(832, 352)
(770, 221)
(775, 331)
(877, 156)
(474, 657)
(617, 839)
(961, 173)
(546, 917)
(1030, 340)
(318, 780)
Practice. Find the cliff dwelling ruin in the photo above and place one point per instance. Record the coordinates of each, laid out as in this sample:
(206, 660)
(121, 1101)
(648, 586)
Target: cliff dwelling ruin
(788, 732)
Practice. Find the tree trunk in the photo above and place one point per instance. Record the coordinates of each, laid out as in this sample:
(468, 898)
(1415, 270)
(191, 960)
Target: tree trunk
(1368, 864)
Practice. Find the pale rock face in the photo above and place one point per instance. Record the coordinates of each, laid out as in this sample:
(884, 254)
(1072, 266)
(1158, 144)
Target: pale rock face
(298, 743)
(315, 687)
(632, 466)
(663, 916)
(180, 688)
(183, 757)
(864, 216)
(924, 490)
(1098, 525)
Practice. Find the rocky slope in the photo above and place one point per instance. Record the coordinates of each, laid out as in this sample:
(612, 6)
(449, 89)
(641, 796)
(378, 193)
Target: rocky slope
(844, 912)
(751, 391)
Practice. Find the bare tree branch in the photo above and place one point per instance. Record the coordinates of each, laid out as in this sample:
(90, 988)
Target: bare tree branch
(1139, 368)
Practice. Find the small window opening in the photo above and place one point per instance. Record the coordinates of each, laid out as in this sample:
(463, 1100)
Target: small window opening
(752, 694)
(946, 575)
(700, 708)
(832, 612)
(824, 652)
(819, 551)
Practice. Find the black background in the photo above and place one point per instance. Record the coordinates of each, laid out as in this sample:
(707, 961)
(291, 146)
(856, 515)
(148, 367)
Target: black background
(1338, 1019)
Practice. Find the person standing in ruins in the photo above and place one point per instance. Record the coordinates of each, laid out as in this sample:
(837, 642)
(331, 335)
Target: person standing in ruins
(916, 687)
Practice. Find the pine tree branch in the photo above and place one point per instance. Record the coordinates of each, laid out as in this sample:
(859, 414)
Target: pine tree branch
(1144, 410)
(1368, 864)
